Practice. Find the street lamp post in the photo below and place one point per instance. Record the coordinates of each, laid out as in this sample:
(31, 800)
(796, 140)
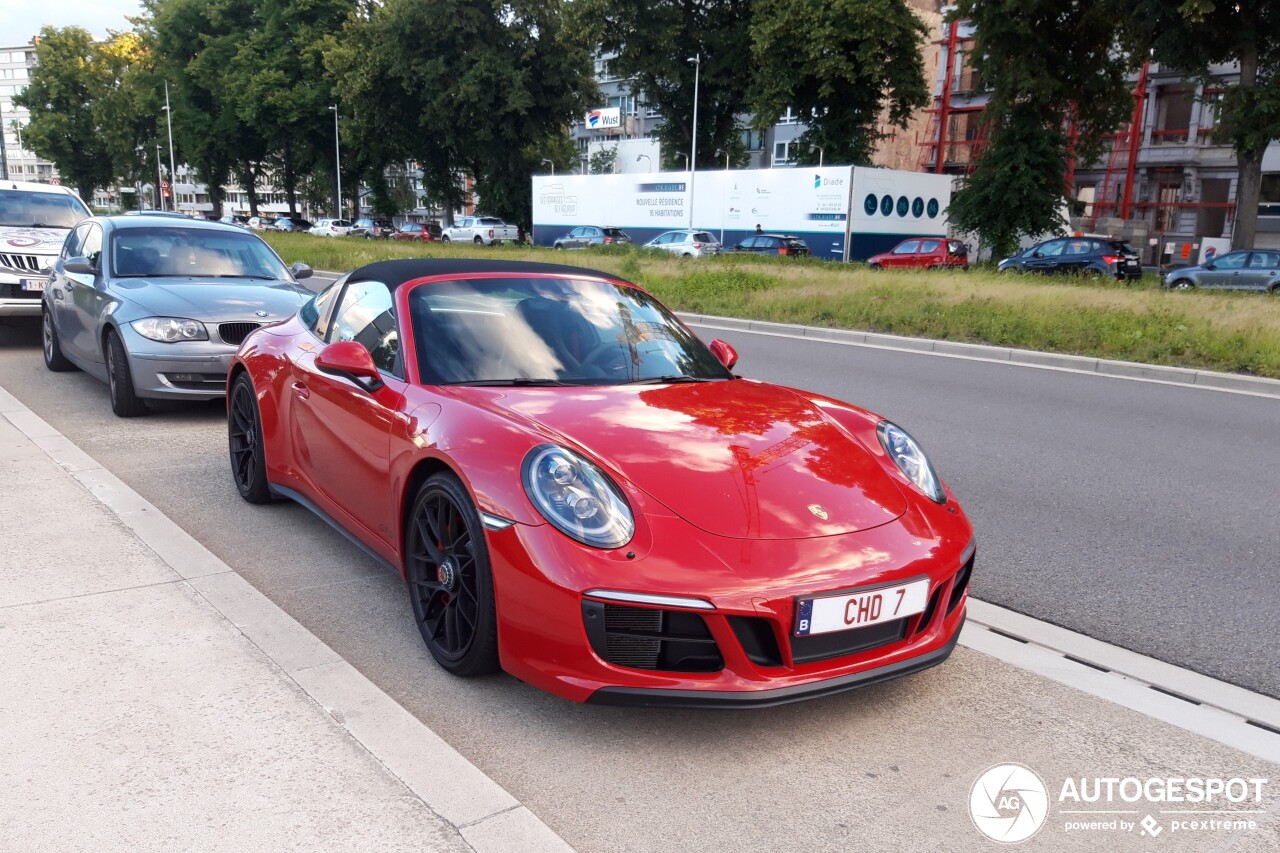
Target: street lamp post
(640, 157)
(693, 155)
(552, 164)
(337, 159)
(821, 154)
(173, 174)
(159, 180)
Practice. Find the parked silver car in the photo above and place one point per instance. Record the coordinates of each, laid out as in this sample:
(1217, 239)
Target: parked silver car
(688, 243)
(1247, 269)
(585, 236)
(155, 307)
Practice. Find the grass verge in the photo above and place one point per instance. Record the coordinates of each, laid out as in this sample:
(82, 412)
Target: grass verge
(1230, 332)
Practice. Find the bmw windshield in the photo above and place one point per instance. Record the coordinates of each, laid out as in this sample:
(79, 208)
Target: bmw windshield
(545, 331)
(179, 252)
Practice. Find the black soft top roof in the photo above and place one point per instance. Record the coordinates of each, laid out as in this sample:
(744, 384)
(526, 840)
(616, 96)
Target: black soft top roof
(396, 272)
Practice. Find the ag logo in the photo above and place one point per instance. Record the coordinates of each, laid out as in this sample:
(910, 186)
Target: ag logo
(818, 510)
(1009, 803)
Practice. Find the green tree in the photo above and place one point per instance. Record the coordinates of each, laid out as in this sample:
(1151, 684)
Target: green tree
(463, 87)
(64, 86)
(603, 161)
(850, 61)
(1071, 86)
(1194, 35)
(651, 42)
(128, 113)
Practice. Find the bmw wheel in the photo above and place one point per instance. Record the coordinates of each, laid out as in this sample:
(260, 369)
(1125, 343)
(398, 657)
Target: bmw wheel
(53, 357)
(450, 581)
(244, 441)
(124, 400)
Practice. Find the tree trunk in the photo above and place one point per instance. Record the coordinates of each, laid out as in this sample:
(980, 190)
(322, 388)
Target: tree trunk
(290, 179)
(249, 183)
(1248, 166)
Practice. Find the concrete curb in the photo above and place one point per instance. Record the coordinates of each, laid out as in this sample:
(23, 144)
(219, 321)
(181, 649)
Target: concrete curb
(485, 815)
(1209, 379)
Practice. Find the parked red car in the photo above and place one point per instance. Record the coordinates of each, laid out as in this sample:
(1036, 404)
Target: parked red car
(423, 232)
(580, 492)
(923, 253)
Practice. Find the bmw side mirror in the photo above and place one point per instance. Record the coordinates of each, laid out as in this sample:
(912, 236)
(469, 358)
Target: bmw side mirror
(725, 354)
(351, 361)
(300, 270)
(80, 266)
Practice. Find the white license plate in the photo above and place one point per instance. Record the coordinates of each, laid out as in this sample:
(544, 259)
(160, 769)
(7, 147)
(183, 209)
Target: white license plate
(33, 284)
(846, 611)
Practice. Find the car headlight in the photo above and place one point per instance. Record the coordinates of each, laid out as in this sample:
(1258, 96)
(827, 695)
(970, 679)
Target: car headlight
(911, 461)
(170, 330)
(577, 497)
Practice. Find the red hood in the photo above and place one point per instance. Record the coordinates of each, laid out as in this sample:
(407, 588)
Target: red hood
(740, 459)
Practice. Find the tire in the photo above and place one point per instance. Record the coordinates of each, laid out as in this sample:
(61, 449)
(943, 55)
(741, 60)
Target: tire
(244, 442)
(53, 357)
(478, 240)
(450, 579)
(1183, 284)
(874, 267)
(124, 401)
(444, 238)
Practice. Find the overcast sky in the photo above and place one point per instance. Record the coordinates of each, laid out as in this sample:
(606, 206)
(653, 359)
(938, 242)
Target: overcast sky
(22, 19)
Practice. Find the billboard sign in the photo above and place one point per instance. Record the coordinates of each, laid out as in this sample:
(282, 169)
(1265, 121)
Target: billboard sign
(605, 118)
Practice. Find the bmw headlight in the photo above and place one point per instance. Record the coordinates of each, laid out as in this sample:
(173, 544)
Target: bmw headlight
(577, 497)
(910, 459)
(170, 330)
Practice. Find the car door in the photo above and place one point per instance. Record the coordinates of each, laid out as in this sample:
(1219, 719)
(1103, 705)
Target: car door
(344, 430)
(1260, 270)
(928, 255)
(1226, 271)
(60, 293)
(87, 299)
(574, 239)
(1044, 258)
(902, 254)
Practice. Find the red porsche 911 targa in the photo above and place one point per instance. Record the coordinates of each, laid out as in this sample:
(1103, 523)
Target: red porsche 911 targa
(578, 491)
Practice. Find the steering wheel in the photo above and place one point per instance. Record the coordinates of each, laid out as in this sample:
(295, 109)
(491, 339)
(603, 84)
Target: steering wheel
(600, 353)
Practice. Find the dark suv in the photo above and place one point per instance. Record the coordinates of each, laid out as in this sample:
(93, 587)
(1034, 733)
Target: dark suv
(1084, 255)
(774, 244)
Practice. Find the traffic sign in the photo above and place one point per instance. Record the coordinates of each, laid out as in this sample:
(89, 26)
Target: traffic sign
(164, 185)
(55, 181)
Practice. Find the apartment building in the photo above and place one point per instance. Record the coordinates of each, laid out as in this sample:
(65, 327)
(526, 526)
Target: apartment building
(16, 162)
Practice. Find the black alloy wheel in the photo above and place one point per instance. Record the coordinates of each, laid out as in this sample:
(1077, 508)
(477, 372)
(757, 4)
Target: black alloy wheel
(450, 582)
(53, 357)
(244, 442)
(124, 401)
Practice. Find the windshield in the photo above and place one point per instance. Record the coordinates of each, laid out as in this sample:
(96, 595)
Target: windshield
(21, 209)
(513, 331)
(178, 251)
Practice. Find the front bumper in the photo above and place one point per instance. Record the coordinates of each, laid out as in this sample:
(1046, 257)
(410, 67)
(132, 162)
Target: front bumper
(194, 370)
(16, 301)
(734, 644)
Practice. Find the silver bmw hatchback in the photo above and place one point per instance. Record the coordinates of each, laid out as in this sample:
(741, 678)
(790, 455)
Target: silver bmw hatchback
(155, 307)
(1247, 269)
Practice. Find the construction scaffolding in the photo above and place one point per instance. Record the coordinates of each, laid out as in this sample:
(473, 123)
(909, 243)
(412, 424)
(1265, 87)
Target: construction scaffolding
(956, 135)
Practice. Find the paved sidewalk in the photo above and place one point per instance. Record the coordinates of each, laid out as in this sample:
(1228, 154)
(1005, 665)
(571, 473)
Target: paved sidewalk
(150, 699)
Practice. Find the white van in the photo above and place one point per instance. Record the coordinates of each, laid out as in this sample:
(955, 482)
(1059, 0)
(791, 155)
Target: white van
(34, 222)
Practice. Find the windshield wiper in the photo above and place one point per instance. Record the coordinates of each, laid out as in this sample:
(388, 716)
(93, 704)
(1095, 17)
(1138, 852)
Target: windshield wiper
(670, 380)
(238, 275)
(519, 380)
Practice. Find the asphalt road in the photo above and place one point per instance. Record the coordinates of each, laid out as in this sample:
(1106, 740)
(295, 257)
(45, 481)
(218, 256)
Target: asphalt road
(1137, 513)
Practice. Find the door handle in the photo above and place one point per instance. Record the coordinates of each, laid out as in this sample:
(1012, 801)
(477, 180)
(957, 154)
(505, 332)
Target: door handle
(301, 390)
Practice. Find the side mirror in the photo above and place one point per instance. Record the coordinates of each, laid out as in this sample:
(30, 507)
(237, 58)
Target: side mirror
(300, 270)
(1211, 266)
(1038, 255)
(80, 266)
(725, 354)
(352, 361)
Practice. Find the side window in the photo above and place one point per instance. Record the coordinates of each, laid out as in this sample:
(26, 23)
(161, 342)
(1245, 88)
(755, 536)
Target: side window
(1053, 248)
(71, 247)
(1079, 247)
(750, 242)
(315, 314)
(928, 247)
(908, 248)
(367, 316)
(666, 238)
(1233, 261)
(1263, 260)
(92, 246)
